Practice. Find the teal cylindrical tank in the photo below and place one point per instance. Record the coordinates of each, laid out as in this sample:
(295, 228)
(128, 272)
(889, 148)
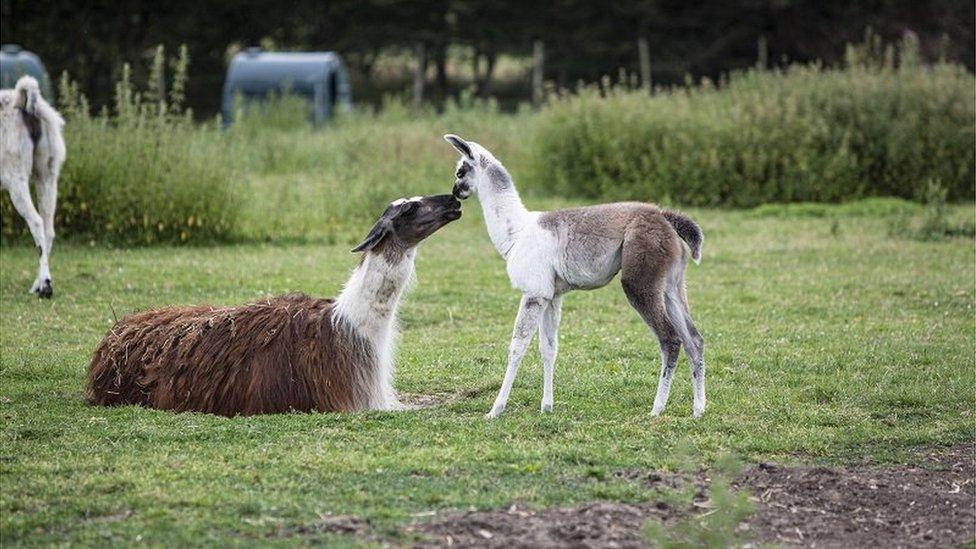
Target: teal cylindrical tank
(320, 77)
(15, 62)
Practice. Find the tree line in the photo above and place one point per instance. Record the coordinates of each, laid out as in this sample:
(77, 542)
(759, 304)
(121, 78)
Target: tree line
(581, 40)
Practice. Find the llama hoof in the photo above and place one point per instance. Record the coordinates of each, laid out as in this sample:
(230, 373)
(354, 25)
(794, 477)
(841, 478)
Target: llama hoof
(546, 408)
(44, 290)
(494, 414)
(656, 412)
(698, 413)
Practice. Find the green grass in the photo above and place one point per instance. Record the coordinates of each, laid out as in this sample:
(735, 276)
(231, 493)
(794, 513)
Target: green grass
(826, 339)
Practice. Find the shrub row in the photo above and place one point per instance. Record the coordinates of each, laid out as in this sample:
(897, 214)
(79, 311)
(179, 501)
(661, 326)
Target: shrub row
(143, 172)
(874, 127)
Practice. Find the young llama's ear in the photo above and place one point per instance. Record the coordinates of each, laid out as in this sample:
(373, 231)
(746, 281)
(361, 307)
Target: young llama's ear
(460, 144)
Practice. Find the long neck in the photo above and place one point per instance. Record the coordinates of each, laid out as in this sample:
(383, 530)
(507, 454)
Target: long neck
(368, 305)
(504, 213)
(369, 299)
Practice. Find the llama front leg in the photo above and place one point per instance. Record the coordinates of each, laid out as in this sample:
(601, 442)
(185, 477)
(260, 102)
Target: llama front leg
(549, 347)
(21, 198)
(526, 323)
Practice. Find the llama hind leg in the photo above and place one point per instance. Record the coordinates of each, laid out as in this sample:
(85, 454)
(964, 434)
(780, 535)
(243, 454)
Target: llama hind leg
(21, 199)
(650, 250)
(650, 305)
(693, 342)
(697, 373)
(646, 295)
(669, 361)
(47, 198)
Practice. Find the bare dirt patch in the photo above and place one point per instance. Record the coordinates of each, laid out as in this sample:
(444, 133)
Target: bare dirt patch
(346, 525)
(929, 505)
(589, 525)
(419, 401)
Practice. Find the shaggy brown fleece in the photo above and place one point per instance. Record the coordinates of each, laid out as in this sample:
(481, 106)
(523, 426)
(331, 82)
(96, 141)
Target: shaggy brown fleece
(272, 356)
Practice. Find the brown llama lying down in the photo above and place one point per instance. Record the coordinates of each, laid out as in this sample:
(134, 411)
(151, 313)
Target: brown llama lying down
(288, 353)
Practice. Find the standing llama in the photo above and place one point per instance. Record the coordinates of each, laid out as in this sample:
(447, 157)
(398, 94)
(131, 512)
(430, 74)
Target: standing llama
(548, 254)
(31, 142)
(292, 352)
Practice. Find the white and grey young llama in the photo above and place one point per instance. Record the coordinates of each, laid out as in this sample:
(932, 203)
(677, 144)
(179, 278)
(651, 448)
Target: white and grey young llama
(31, 144)
(548, 254)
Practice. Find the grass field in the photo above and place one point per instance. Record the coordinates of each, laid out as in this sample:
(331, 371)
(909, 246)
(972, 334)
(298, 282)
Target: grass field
(826, 340)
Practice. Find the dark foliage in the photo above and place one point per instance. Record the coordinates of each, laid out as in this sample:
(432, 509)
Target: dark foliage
(584, 39)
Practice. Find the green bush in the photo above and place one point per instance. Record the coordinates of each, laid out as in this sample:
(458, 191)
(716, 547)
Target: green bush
(804, 133)
(144, 172)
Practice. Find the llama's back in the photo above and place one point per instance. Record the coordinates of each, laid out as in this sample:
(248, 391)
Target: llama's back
(271, 356)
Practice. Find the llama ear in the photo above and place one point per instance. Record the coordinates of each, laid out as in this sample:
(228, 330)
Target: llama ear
(382, 228)
(459, 144)
(376, 234)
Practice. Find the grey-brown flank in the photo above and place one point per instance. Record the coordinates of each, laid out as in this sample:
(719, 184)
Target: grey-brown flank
(643, 243)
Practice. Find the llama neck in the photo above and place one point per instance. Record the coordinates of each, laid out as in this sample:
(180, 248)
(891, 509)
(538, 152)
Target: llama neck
(369, 299)
(504, 213)
(368, 305)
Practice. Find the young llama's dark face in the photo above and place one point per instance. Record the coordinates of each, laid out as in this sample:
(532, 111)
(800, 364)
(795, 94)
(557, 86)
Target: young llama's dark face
(467, 171)
(464, 179)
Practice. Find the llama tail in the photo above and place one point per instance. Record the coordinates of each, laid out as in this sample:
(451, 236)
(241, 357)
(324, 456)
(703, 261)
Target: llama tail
(689, 231)
(29, 99)
(28, 92)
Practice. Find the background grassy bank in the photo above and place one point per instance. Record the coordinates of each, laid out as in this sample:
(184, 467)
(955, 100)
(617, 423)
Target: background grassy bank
(827, 339)
(884, 125)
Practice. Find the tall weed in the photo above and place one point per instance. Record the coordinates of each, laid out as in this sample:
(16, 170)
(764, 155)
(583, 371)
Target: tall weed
(936, 221)
(718, 526)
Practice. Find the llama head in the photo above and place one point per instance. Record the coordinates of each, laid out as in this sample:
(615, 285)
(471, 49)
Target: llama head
(477, 171)
(407, 221)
